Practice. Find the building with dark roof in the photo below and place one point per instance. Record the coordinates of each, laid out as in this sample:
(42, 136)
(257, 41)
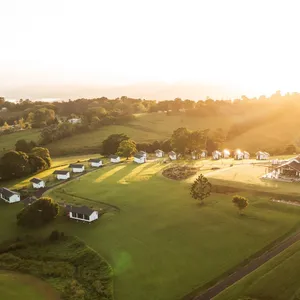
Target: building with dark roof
(114, 158)
(139, 158)
(82, 213)
(77, 168)
(9, 196)
(95, 162)
(61, 174)
(37, 183)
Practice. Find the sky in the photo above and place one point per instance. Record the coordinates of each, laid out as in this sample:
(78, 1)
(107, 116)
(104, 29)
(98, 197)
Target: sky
(251, 45)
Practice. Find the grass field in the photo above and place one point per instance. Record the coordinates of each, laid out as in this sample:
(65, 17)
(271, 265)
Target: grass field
(162, 244)
(16, 286)
(8, 141)
(277, 279)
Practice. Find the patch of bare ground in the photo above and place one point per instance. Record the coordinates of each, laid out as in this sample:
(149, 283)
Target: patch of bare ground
(180, 172)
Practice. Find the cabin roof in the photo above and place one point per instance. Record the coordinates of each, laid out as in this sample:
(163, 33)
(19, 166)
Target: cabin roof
(61, 172)
(76, 166)
(36, 180)
(7, 193)
(79, 209)
(96, 160)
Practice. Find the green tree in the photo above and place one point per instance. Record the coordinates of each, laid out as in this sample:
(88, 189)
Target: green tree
(112, 143)
(43, 153)
(40, 212)
(201, 188)
(240, 202)
(73, 291)
(127, 148)
(36, 163)
(179, 140)
(24, 146)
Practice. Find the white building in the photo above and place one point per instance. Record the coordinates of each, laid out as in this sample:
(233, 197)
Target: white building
(74, 121)
(37, 183)
(172, 155)
(139, 158)
(194, 155)
(159, 153)
(226, 153)
(246, 155)
(3, 109)
(62, 175)
(238, 154)
(9, 196)
(203, 154)
(216, 155)
(114, 158)
(77, 168)
(95, 162)
(143, 153)
(82, 213)
(260, 155)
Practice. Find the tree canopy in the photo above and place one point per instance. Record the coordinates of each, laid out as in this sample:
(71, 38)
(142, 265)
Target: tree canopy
(240, 202)
(201, 188)
(112, 143)
(39, 213)
(127, 148)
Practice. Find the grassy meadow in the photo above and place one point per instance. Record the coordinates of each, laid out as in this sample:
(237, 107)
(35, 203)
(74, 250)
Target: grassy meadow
(277, 279)
(163, 244)
(16, 286)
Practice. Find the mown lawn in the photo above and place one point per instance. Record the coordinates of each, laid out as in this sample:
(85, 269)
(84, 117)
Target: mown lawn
(163, 244)
(16, 286)
(8, 141)
(277, 279)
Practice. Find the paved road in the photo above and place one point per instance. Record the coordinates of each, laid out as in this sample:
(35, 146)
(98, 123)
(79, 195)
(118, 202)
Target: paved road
(243, 271)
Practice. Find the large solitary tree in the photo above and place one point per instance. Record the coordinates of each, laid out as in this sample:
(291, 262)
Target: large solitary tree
(180, 139)
(240, 202)
(38, 213)
(127, 148)
(201, 188)
(112, 143)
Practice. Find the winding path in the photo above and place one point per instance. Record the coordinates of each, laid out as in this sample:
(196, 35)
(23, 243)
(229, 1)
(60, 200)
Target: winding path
(247, 269)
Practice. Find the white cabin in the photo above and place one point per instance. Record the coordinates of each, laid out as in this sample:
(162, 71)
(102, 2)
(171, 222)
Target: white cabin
(74, 121)
(226, 153)
(77, 168)
(82, 213)
(139, 159)
(37, 183)
(194, 155)
(95, 162)
(203, 154)
(9, 196)
(62, 175)
(246, 155)
(260, 155)
(238, 155)
(115, 158)
(216, 155)
(172, 155)
(159, 153)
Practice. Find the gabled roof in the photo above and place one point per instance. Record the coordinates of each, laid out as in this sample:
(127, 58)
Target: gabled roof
(293, 163)
(113, 156)
(156, 151)
(76, 166)
(79, 209)
(217, 151)
(7, 193)
(172, 153)
(36, 180)
(245, 152)
(61, 172)
(96, 160)
(138, 155)
(142, 152)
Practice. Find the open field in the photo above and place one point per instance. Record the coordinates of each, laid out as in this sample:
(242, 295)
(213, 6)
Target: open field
(277, 279)
(16, 286)
(162, 244)
(8, 141)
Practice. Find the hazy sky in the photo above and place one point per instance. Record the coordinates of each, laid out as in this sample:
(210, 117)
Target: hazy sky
(240, 43)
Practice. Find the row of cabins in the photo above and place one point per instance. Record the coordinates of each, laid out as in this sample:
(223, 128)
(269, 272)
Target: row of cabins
(239, 155)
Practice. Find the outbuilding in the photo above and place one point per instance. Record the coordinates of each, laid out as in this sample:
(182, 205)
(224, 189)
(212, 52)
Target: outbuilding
(172, 155)
(143, 153)
(238, 154)
(226, 153)
(246, 155)
(81, 213)
(37, 183)
(9, 196)
(61, 174)
(77, 168)
(139, 158)
(203, 154)
(114, 158)
(260, 155)
(159, 153)
(216, 155)
(96, 162)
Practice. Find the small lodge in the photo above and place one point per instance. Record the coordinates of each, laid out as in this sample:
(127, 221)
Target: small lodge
(77, 168)
(216, 155)
(226, 153)
(203, 154)
(75, 120)
(159, 153)
(246, 155)
(139, 158)
(37, 183)
(61, 174)
(172, 155)
(95, 162)
(194, 155)
(260, 155)
(288, 170)
(9, 196)
(81, 213)
(143, 153)
(114, 158)
(238, 154)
